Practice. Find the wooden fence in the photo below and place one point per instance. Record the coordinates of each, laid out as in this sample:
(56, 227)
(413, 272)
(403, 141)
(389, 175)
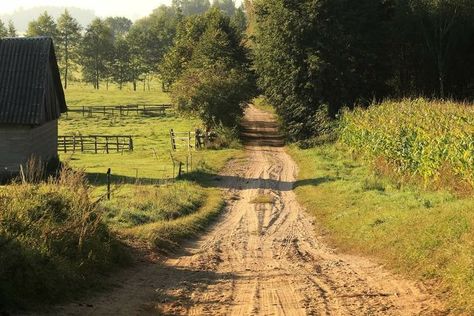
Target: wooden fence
(190, 140)
(95, 143)
(121, 110)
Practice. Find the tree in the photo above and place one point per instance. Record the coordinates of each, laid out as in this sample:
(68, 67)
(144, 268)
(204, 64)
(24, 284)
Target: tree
(97, 52)
(149, 40)
(227, 6)
(239, 20)
(43, 26)
(3, 30)
(209, 70)
(119, 26)
(11, 29)
(121, 66)
(191, 7)
(441, 22)
(68, 42)
(328, 53)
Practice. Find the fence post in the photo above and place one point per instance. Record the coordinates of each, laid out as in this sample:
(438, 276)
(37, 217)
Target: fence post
(173, 140)
(180, 169)
(108, 183)
(189, 141)
(74, 143)
(130, 143)
(106, 144)
(64, 144)
(95, 144)
(82, 144)
(118, 148)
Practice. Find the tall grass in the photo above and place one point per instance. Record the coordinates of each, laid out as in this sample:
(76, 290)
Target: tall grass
(428, 140)
(53, 241)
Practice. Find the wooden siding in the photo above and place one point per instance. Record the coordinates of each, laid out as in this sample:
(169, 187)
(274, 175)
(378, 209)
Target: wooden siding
(20, 143)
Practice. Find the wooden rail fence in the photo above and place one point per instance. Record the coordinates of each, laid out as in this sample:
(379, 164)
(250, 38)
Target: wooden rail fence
(95, 143)
(190, 140)
(121, 110)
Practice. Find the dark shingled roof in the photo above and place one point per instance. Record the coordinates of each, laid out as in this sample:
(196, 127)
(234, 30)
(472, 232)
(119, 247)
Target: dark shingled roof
(30, 86)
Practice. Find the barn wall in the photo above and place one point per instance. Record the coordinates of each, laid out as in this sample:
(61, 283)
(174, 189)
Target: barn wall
(19, 143)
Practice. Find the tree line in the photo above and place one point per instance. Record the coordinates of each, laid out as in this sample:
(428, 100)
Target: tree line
(115, 49)
(331, 54)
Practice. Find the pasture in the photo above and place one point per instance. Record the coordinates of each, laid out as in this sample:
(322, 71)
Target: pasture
(148, 205)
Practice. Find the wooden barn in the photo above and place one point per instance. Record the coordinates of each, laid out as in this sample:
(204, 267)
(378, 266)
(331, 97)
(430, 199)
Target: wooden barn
(31, 102)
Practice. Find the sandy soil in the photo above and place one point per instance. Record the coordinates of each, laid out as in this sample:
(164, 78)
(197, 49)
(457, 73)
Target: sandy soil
(260, 258)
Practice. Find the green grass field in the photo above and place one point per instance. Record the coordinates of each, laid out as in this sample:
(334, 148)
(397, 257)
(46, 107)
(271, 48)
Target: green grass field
(148, 205)
(79, 94)
(150, 162)
(426, 235)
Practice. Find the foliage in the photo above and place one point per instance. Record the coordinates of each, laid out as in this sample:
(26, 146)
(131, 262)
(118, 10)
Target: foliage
(430, 140)
(191, 7)
(425, 235)
(12, 30)
(345, 53)
(96, 52)
(53, 241)
(43, 26)
(3, 29)
(209, 68)
(67, 44)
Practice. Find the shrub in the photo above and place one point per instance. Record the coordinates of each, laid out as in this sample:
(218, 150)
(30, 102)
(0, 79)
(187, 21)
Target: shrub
(52, 241)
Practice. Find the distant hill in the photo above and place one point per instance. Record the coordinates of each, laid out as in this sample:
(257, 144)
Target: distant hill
(22, 17)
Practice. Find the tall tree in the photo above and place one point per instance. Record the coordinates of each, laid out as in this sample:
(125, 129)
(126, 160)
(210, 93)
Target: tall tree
(43, 26)
(67, 44)
(122, 63)
(119, 25)
(11, 29)
(227, 6)
(441, 22)
(209, 69)
(327, 53)
(3, 29)
(97, 52)
(191, 7)
(150, 38)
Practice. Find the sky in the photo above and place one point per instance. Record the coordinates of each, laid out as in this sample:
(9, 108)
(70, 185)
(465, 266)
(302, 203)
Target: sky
(132, 9)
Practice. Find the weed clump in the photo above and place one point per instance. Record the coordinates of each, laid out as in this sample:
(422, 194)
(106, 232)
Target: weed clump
(53, 242)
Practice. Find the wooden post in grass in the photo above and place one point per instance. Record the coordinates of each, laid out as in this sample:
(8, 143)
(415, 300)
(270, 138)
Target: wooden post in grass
(108, 183)
(130, 143)
(173, 140)
(106, 144)
(95, 144)
(180, 169)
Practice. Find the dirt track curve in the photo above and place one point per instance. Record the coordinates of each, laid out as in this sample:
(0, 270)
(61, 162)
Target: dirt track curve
(260, 259)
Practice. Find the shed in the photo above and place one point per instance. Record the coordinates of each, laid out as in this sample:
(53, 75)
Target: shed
(31, 102)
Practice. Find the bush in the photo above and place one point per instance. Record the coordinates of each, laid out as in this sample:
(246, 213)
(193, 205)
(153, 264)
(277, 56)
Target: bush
(432, 141)
(53, 241)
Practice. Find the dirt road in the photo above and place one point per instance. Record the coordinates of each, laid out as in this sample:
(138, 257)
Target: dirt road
(261, 258)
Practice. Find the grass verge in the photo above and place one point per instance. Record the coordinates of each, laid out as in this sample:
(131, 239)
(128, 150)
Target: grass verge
(54, 243)
(425, 235)
(167, 235)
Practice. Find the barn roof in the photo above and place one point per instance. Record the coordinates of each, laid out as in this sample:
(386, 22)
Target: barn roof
(29, 76)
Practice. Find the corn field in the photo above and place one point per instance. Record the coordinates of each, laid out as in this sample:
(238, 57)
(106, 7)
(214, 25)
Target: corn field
(417, 137)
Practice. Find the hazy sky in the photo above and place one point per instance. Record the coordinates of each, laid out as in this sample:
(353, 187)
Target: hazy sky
(130, 8)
